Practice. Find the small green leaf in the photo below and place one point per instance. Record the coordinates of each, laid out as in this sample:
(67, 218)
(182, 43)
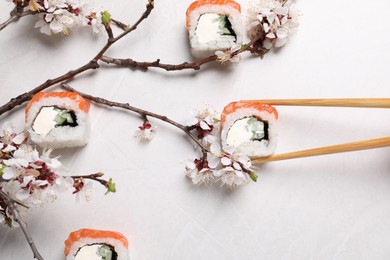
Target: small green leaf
(2, 168)
(254, 176)
(106, 18)
(216, 120)
(243, 46)
(110, 186)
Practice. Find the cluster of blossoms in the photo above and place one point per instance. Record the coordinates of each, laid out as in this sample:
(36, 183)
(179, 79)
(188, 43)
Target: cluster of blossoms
(277, 19)
(32, 179)
(60, 16)
(227, 165)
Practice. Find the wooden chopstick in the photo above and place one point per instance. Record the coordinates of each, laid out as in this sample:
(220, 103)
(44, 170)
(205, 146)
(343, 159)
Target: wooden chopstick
(330, 102)
(340, 148)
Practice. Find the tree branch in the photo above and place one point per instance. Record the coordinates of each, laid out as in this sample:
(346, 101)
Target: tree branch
(14, 16)
(139, 111)
(14, 102)
(130, 63)
(93, 64)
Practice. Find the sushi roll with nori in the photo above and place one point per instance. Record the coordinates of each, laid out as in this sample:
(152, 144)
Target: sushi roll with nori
(90, 244)
(213, 25)
(58, 119)
(251, 127)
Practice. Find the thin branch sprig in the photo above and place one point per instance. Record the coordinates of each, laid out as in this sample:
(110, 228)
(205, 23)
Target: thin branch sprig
(16, 216)
(97, 177)
(196, 65)
(15, 14)
(112, 40)
(143, 113)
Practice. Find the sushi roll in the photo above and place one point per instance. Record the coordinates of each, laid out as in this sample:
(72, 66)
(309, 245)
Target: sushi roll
(58, 119)
(213, 25)
(90, 244)
(251, 127)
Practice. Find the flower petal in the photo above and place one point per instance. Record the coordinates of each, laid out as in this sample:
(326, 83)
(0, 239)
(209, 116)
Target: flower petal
(204, 126)
(9, 173)
(22, 195)
(9, 148)
(19, 138)
(281, 10)
(226, 161)
(192, 121)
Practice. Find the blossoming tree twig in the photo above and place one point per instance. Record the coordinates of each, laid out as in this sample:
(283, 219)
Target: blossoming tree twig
(141, 112)
(130, 63)
(30, 179)
(92, 64)
(272, 22)
(16, 216)
(229, 166)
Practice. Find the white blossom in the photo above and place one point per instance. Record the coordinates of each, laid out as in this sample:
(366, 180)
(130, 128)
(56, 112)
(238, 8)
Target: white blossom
(9, 173)
(145, 132)
(236, 168)
(232, 178)
(85, 193)
(8, 137)
(279, 20)
(225, 57)
(61, 16)
(199, 173)
(204, 118)
(90, 15)
(52, 163)
(206, 122)
(58, 21)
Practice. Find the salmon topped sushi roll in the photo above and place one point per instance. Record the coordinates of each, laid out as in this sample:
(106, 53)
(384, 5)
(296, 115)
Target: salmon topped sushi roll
(58, 119)
(251, 127)
(90, 244)
(213, 25)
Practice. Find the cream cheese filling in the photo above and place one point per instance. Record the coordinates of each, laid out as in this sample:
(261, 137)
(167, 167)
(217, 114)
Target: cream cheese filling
(245, 130)
(45, 120)
(213, 27)
(50, 117)
(94, 252)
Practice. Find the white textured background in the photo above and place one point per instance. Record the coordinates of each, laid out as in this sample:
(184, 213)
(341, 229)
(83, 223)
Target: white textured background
(330, 207)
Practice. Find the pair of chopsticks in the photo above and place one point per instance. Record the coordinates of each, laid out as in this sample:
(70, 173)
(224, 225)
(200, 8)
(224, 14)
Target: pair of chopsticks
(340, 148)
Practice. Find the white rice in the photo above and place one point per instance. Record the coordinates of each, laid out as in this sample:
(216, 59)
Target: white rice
(253, 148)
(118, 247)
(203, 50)
(63, 136)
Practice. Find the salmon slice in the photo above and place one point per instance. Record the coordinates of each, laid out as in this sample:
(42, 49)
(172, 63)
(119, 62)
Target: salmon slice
(93, 234)
(83, 104)
(201, 3)
(234, 106)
